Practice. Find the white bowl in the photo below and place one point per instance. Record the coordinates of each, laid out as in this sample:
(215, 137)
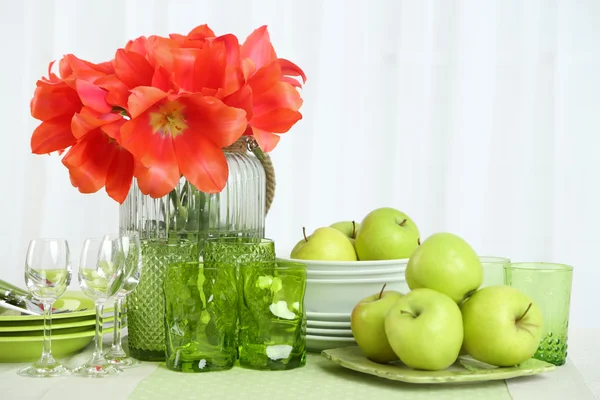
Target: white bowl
(359, 274)
(341, 295)
(318, 265)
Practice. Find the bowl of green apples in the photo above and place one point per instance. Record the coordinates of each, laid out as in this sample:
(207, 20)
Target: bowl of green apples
(347, 260)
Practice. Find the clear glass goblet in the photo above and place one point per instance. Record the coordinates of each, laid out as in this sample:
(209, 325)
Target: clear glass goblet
(100, 275)
(47, 276)
(130, 241)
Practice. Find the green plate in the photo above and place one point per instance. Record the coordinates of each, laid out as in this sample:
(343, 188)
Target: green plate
(465, 369)
(72, 300)
(66, 327)
(29, 348)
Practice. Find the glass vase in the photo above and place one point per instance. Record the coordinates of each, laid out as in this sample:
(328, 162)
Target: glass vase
(173, 229)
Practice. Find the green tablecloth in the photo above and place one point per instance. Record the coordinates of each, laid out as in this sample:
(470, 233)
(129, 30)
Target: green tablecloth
(320, 379)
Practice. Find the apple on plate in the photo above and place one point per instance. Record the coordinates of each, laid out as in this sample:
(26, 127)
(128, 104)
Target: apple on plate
(386, 234)
(348, 228)
(502, 326)
(425, 329)
(367, 324)
(446, 263)
(325, 244)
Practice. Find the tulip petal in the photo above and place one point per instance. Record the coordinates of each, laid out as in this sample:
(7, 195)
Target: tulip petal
(282, 95)
(288, 68)
(149, 147)
(117, 92)
(86, 121)
(52, 135)
(241, 99)
(142, 98)
(258, 47)
(133, 69)
(92, 96)
(156, 181)
(265, 78)
(88, 161)
(120, 175)
(279, 120)
(51, 100)
(201, 162)
(213, 119)
(266, 140)
(201, 32)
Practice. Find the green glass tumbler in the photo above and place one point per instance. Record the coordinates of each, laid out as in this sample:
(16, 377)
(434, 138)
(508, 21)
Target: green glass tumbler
(272, 316)
(201, 318)
(493, 270)
(146, 304)
(234, 251)
(549, 286)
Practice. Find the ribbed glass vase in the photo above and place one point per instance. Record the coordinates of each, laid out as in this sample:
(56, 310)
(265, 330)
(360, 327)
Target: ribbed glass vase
(173, 228)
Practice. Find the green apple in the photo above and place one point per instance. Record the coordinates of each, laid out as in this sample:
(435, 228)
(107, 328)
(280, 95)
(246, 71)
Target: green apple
(425, 329)
(446, 263)
(386, 234)
(326, 244)
(502, 326)
(348, 228)
(367, 323)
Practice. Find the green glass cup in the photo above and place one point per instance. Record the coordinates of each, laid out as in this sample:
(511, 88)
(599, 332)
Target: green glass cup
(549, 286)
(272, 332)
(234, 251)
(493, 270)
(201, 317)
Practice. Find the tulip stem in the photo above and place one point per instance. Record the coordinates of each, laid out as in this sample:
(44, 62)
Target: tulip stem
(525, 313)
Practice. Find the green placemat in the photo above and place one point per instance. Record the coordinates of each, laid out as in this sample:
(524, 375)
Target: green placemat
(320, 378)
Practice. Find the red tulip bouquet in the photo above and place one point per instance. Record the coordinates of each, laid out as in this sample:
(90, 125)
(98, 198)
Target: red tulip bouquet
(163, 108)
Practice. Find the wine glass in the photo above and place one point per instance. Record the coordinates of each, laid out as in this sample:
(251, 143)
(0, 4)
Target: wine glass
(100, 274)
(47, 276)
(130, 241)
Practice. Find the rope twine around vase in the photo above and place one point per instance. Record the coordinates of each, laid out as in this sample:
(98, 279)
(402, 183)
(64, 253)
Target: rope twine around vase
(244, 144)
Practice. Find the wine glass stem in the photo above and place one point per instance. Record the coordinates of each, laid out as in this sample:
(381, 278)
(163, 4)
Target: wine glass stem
(98, 338)
(117, 346)
(47, 349)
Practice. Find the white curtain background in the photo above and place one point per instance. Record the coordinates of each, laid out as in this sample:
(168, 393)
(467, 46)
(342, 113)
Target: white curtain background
(477, 117)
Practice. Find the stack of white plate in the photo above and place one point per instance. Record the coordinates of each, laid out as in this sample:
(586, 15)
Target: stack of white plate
(333, 288)
(328, 331)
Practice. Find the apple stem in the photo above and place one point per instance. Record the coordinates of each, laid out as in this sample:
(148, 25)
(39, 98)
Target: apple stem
(525, 313)
(353, 230)
(408, 312)
(403, 222)
(419, 241)
(304, 233)
(381, 293)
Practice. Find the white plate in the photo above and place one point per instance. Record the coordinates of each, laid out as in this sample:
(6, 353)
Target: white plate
(321, 265)
(328, 317)
(327, 324)
(329, 332)
(320, 343)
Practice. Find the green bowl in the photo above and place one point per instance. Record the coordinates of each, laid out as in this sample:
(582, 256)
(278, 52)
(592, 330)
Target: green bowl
(29, 348)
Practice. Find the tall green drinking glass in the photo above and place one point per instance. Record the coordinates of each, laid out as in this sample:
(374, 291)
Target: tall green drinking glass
(272, 316)
(548, 285)
(493, 270)
(201, 317)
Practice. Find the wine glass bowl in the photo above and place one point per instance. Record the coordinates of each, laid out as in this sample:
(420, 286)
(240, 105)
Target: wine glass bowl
(101, 272)
(47, 276)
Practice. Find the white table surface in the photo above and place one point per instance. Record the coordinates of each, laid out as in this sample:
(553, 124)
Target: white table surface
(578, 379)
